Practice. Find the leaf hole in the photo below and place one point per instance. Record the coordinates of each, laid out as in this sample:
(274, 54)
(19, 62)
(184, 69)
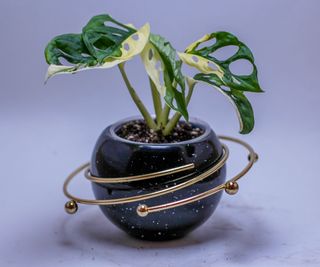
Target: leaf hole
(126, 46)
(195, 59)
(225, 52)
(206, 44)
(241, 67)
(150, 54)
(135, 37)
(158, 65)
(111, 24)
(174, 103)
(212, 66)
(225, 88)
(63, 61)
(161, 78)
(179, 89)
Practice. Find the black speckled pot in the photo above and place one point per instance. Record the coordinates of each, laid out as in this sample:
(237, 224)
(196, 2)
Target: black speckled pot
(114, 156)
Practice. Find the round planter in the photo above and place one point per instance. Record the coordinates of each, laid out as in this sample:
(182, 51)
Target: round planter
(114, 156)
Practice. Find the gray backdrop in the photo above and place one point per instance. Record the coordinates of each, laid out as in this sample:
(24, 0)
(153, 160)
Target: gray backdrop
(46, 131)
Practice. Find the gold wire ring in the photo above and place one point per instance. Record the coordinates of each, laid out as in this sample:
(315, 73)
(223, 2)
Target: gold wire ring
(231, 186)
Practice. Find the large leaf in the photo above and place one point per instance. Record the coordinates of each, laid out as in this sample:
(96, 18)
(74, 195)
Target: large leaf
(104, 36)
(73, 49)
(217, 72)
(159, 58)
(202, 58)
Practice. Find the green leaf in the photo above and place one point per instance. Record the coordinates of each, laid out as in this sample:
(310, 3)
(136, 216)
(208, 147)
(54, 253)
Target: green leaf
(159, 58)
(202, 58)
(104, 36)
(70, 47)
(217, 72)
(237, 98)
(73, 49)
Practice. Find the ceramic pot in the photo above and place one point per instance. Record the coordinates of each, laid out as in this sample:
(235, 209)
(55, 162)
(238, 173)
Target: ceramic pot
(114, 156)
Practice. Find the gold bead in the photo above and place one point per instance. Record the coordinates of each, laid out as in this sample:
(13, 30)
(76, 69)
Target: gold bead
(255, 157)
(142, 210)
(71, 207)
(232, 188)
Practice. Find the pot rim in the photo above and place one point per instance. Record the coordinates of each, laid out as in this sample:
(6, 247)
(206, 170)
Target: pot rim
(200, 123)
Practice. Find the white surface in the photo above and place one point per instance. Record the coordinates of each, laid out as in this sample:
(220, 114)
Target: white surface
(46, 132)
(271, 222)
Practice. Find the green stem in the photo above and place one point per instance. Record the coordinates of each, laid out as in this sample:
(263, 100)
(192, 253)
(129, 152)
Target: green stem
(156, 100)
(144, 112)
(164, 116)
(174, 120)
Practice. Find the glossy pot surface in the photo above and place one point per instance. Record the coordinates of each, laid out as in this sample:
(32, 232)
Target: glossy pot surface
(114, 156)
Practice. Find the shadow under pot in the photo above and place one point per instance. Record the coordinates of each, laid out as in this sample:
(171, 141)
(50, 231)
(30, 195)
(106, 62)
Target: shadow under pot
(114, 156)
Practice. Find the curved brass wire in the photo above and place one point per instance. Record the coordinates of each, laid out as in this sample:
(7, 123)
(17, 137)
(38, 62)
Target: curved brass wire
(158, 193)
(230, 186)
(252, 157)
(135, 178)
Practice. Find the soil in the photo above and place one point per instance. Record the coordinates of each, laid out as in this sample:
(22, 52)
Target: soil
(138, 131)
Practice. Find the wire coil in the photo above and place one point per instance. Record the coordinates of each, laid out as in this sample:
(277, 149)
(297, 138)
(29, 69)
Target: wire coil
(231, 186)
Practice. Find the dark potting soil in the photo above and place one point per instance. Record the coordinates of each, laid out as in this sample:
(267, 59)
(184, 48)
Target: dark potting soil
(138, 131)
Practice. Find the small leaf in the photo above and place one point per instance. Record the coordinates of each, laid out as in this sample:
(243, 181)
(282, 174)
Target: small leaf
(159, 59)
(71, 48)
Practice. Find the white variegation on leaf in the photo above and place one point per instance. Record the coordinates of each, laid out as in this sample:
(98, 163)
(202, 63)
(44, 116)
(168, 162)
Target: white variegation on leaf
(131, 47)
(196, 43)
(216, 72)
(202, 64)
(154, 66)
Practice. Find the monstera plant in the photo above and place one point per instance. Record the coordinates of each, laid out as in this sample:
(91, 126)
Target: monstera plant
(105, 43)
(142, 156)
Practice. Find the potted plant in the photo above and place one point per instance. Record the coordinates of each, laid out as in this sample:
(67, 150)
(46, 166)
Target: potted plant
(149, 144)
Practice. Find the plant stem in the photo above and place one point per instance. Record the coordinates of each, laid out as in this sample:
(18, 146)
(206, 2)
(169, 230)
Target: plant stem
(164, 116)
(143, 110)
(174, 120)
(156, 100)
(166, 110)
